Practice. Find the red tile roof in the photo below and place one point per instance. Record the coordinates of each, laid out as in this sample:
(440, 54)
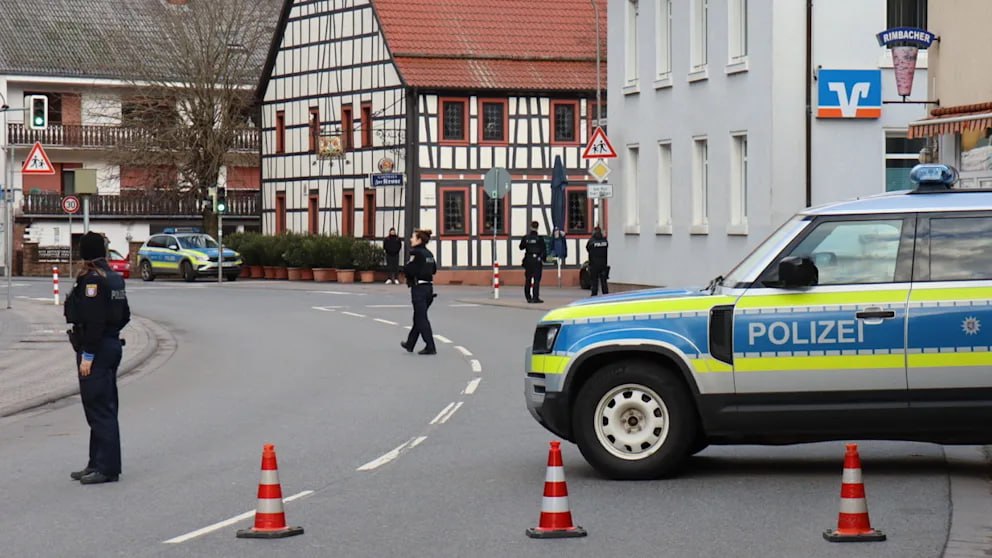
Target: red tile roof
(494, 44)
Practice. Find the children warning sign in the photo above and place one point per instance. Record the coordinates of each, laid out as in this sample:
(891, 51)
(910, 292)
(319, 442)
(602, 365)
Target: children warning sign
(599, 147)
(37, 162)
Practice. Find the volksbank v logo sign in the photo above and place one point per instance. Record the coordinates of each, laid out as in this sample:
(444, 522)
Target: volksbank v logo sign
(849, 94)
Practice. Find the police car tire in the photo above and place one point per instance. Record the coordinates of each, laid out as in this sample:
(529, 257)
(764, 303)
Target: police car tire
(186, 270)
(682, 421)
(146, 271)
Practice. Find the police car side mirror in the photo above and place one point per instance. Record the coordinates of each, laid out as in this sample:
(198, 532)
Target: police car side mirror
(794, 272)
(174, 247)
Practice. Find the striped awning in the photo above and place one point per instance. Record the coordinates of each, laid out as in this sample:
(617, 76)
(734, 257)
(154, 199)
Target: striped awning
(936, 126)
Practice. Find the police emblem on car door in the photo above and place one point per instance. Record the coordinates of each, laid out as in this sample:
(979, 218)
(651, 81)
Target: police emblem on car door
(829, 314)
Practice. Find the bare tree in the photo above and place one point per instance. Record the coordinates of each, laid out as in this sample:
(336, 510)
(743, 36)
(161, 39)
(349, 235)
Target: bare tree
(190, 104)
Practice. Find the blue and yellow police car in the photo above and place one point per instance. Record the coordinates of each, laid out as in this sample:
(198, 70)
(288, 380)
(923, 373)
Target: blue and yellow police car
(867, 319)
(188, 253)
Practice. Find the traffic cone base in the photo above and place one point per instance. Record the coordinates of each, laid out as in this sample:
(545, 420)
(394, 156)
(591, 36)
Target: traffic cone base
(276, 534)
(836, 535)
(556, 517)
(270, 519)
(853, 524)
(572, 532)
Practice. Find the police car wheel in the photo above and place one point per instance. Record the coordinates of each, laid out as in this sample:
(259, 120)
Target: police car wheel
(186, 270)
(634, 420)
(146, 271)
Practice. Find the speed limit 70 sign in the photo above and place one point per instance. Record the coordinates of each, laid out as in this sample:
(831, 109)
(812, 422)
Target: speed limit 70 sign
(70, 204)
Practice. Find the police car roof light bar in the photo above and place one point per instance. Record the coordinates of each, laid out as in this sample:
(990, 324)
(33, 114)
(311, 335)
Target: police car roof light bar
(933, 178)
(175, 230)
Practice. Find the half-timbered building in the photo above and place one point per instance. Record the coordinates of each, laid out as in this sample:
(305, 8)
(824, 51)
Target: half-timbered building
(440, 93)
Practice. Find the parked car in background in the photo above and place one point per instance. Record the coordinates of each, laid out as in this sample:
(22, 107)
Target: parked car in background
(119, 263)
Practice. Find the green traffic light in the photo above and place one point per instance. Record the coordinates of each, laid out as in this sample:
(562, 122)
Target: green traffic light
(221, 208)
(39, 120)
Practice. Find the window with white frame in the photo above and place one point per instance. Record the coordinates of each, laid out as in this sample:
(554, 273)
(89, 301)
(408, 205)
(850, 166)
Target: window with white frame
(737, 33)
(630, 34)
(901, 155)
(700, 182)
(699, 33)
(738, 182)
(630, 189)
(663, 39)
(664, 190)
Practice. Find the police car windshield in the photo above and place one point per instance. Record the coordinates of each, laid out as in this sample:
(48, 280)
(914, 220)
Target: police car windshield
(195, 241)
(745, 271)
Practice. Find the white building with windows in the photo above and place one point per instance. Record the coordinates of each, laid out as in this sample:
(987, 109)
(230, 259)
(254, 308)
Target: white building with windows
(708, 111)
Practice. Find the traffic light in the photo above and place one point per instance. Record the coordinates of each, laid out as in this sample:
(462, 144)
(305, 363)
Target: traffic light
(220, 205)
(38, 115)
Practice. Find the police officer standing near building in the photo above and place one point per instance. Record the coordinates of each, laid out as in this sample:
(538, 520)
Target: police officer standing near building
(419, 273)
(392, 245)
(534, 254)
(599, 269)
(97, 308)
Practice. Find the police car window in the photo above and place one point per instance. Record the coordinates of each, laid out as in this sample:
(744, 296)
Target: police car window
(748, 269)
(195, 241)
(156, 242)
(960, 248)
(852, 252)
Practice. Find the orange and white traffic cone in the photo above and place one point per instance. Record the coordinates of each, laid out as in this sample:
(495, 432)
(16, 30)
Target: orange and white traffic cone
(853, 524)
(270, 519)
(556, 517)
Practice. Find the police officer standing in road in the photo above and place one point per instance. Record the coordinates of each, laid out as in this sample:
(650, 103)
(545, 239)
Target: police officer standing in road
(599, 269)
(534, 254)
(419, 273)
(97, 308)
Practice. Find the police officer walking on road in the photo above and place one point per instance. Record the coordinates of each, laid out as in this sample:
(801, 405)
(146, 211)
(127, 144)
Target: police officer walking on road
(599, 269)
(419, 273)
(97, 308)
(534, 254)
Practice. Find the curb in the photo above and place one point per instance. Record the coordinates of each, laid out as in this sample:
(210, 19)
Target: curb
(133, 364)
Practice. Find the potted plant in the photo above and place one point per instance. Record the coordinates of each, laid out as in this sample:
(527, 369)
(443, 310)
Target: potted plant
(322, 258)
(267, 255)
(297, 258)
(343, 259)
(366, 258)
(247, 246)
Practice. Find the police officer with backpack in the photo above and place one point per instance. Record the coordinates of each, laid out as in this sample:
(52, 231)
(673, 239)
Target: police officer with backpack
(599, 269)
(535, 252)
(97, 308)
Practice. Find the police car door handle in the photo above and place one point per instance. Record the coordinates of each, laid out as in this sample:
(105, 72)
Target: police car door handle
(875, 315)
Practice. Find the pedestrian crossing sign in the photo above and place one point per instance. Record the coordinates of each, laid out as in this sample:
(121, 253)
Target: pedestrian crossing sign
(599, 147)
(37, 162)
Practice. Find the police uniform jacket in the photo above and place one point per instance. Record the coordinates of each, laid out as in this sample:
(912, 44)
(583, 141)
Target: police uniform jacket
(421, 266)
(597, 248)
(533, 247)
(97, 307)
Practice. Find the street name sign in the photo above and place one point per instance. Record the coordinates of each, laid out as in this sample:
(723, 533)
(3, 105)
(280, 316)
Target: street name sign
(387, 180)
(600, 191)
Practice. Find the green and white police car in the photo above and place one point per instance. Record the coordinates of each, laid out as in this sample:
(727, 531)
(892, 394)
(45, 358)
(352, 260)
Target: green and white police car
(188, 253)
(866, 319)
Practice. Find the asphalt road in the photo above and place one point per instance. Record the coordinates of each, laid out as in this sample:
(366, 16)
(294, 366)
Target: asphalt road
(317, 371)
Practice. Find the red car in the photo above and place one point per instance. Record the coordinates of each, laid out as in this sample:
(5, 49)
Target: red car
(119, 263)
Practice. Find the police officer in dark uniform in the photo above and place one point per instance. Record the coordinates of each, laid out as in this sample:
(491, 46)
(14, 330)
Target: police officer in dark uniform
(97, 308)
(599, 269)
(419, 273)
(534, 254)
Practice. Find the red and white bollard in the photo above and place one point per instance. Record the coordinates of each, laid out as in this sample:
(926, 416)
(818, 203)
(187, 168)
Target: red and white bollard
(55, 283)
(495, 280)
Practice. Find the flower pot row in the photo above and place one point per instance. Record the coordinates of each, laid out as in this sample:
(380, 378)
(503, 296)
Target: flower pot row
(318, 274)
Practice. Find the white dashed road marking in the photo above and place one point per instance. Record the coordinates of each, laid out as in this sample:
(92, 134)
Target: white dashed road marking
(472, 386)
(353, 314)
(228, 522)
(463, 350)
(392, 454)
(387, 322)
(388, 306)
(461, 305)
(451, 413)
(476, 366)
(336, 293)
(442, 413)
(442, 339)
(325, 308)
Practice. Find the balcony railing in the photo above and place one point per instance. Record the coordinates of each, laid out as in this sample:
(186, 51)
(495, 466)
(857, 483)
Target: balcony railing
(100, 137)
(142, 203)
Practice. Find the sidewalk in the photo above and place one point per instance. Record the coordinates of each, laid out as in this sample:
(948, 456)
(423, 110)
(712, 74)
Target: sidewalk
(513, 297)
(36, 361)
